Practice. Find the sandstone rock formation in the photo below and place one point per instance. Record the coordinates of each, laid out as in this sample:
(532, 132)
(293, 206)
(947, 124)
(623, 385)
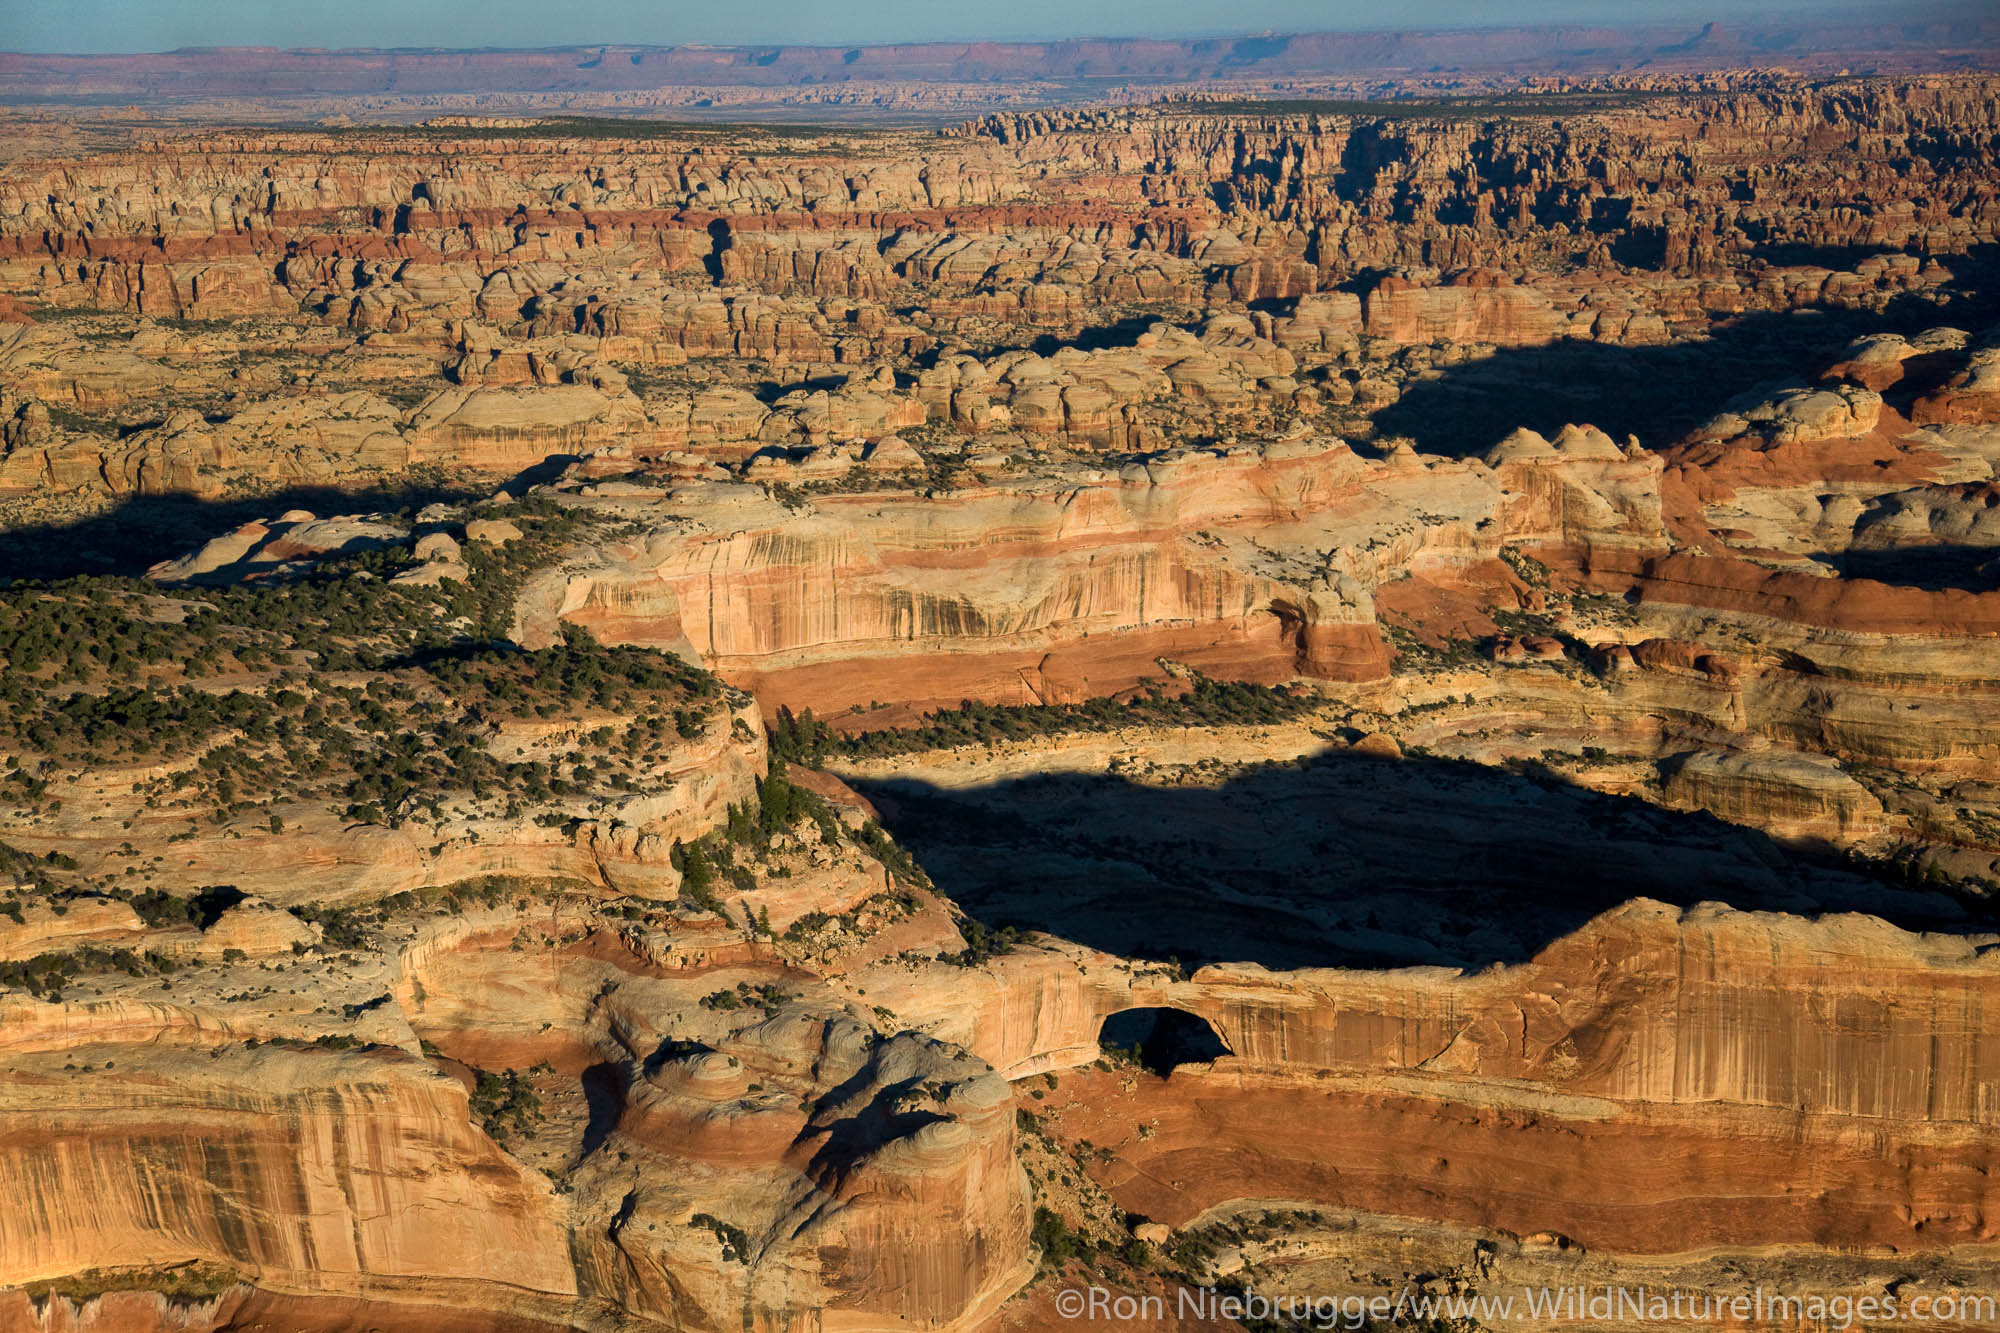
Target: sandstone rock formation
(1379, 695)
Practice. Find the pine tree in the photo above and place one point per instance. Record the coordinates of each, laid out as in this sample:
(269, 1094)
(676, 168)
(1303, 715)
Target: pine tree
(775, 798)
(697, 872)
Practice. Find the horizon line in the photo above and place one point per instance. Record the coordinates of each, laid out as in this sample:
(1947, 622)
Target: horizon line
(1854, 9)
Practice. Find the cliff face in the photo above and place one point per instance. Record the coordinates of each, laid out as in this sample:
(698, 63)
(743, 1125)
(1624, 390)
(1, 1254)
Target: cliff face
(1249, 562)
(313, 1169)
(1003, 580)
(1843, 1017)
(1826, 1084)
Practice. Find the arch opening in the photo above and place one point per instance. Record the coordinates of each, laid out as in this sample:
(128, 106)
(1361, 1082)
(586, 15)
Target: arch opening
(1160, 1040)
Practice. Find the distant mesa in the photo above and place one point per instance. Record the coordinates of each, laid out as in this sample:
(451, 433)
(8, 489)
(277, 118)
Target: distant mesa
(1938, 36)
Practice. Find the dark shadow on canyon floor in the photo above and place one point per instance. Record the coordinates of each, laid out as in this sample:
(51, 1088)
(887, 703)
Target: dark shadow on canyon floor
(1659, 393)
(140, 531)
(1972, 568)
(1122, 332)
(1350, 860)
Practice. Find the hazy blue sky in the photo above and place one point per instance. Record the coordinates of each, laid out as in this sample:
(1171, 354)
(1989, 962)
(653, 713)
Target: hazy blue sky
(159, 25)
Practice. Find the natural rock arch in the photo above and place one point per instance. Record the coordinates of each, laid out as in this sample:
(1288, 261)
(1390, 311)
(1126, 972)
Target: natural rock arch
(1161, 1038)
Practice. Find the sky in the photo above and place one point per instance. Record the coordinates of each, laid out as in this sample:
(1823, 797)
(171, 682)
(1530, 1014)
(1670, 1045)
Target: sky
(162, 25)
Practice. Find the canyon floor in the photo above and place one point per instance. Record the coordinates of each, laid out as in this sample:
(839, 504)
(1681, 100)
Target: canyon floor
(1302, 685)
